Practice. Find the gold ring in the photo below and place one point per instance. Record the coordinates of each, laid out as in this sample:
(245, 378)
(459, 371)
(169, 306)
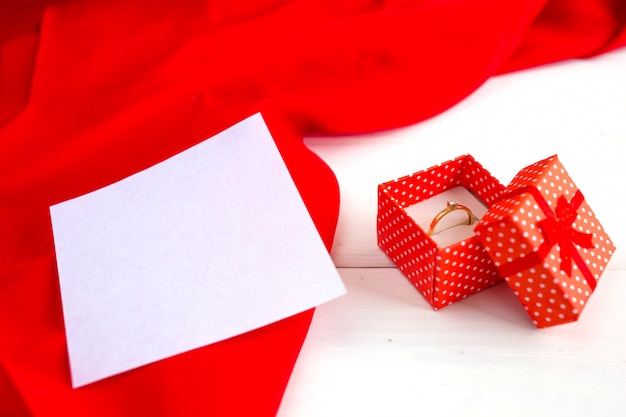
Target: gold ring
(450, 207)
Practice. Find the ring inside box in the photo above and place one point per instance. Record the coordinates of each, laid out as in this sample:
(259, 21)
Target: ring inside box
(453, 226)
(451, 264)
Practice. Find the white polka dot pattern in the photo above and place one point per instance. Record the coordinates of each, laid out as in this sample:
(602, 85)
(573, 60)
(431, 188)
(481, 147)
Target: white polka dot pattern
(511, 230)
(442, 274)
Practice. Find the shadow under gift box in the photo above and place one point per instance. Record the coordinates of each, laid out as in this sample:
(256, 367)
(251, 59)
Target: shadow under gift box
(442, 274)
(544, 238)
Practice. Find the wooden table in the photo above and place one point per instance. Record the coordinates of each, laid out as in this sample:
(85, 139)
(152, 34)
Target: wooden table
(381, 350)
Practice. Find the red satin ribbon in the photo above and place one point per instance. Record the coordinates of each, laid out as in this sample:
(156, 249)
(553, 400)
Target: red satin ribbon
(556, 229)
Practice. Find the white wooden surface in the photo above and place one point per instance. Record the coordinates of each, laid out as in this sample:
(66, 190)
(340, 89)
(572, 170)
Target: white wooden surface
(380, 349)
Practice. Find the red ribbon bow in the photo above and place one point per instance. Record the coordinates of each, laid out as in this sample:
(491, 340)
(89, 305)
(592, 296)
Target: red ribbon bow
(557, 228)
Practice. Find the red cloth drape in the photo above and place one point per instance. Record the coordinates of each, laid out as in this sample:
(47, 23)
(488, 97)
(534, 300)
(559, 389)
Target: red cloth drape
(94, 90)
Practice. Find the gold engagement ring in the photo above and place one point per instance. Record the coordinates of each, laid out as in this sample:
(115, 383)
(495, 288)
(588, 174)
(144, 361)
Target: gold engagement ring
(450, 207)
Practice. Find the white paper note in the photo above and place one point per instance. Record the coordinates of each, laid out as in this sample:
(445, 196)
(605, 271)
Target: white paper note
(209, 244)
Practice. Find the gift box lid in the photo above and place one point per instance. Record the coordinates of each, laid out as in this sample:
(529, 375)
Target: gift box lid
(547, 242)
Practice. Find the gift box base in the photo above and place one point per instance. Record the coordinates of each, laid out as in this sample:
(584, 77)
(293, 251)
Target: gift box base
(442, 274)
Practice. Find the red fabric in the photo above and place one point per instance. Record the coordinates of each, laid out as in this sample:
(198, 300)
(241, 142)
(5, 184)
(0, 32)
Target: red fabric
(92, 91)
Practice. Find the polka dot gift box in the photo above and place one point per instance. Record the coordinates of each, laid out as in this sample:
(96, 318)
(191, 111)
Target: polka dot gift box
(546, 242)
(447, 273)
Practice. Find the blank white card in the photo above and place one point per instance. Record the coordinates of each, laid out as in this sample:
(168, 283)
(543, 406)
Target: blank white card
(209, 244)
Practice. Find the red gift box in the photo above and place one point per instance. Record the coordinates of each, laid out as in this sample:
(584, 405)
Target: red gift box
(443, 274)
(546, 242)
